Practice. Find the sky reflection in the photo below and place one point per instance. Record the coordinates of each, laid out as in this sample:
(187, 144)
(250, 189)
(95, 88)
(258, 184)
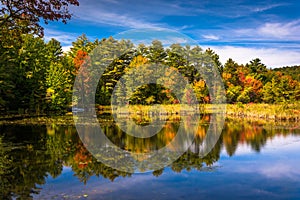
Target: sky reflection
(271, 174)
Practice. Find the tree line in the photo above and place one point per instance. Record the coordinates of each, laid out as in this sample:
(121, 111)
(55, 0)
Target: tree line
(37, 76)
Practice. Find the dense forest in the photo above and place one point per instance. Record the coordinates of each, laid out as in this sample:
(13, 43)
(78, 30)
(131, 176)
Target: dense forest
(290, 71)
(37, 76)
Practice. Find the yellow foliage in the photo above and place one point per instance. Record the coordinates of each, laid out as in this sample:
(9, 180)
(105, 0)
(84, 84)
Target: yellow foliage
(138, 61)
(226, 76)
(50, 91)
(199, 84)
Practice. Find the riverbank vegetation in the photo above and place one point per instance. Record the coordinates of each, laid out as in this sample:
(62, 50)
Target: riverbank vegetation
(143, 114)
(274, 112)
(37, 76)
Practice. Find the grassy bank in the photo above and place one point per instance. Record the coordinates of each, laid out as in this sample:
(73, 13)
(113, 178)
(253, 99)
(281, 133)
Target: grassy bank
(276, 112)
(266, 112)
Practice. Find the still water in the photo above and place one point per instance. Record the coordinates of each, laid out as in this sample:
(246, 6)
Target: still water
(250, 160)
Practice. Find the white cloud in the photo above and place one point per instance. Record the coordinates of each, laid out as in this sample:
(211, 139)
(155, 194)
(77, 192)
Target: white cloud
(270, 163)
(146, 36)
(184, 27)
(63, 37)
(285, 31)
(111, 1)
(265, 7)
(114, 19)
(275, 170)
(263, 34)
(281, 30)
(175, 40)
(165, 41)
(271, 57)
(117, 14)
(210, 37)
(279, 170)
(66, 48)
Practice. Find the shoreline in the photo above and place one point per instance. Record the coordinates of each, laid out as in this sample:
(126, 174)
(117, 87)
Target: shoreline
(271, 112)
(256, 112)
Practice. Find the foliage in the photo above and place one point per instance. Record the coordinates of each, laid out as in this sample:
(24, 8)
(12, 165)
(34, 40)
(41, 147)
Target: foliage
(29, 12)
(37, 77)
(34, 75)
(293, 71)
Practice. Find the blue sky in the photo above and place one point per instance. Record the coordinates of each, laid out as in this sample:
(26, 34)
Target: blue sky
(240, 29)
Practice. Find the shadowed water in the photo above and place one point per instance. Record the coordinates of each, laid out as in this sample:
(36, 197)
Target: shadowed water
(250, 160)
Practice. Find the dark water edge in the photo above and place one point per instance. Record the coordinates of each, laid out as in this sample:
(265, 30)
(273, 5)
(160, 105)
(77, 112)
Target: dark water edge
(250, 160)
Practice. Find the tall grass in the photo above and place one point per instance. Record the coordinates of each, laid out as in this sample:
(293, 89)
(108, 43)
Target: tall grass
(277, 112)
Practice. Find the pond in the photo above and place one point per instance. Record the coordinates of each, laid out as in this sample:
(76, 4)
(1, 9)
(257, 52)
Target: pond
(249, 160)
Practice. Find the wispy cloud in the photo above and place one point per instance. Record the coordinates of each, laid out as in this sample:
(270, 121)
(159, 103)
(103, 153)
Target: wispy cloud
(268, 29)
(266, 7)
(233, 10)
(278, 32)
(276, 170)
(276, 162)
(111, 1)
(165, 36)
(137, 14)
(210, 37)
(280, 170)
(63, 37)
(271, 57)
(281, 30)
(115, 19)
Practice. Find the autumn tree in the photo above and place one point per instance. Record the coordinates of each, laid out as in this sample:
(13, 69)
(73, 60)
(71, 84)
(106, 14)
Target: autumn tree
(82, 43)
(230, 73)
(31, 11)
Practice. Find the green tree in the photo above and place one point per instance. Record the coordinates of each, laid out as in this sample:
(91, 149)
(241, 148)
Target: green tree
(82, 43)
(281, 89)
(157, 52)
(118, 56)
(232, 93)
(258, 69)
(215, 57)
(29, 74)
(59, 79)
(230, 73)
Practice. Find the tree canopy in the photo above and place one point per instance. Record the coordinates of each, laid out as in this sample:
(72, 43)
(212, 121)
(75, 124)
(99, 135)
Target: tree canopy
(29, 12)
(38, 77)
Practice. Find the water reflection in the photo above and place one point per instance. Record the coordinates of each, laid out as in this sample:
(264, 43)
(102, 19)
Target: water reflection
(30, 154)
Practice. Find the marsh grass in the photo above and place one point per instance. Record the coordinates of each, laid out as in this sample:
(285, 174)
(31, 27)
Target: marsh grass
(265, 112)
(277, 112)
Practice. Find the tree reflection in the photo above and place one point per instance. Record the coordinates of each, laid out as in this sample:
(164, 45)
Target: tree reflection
(25, 163)
(29, 154)
(255, 134)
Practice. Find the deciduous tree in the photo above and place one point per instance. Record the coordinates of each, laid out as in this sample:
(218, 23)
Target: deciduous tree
(13, 12)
